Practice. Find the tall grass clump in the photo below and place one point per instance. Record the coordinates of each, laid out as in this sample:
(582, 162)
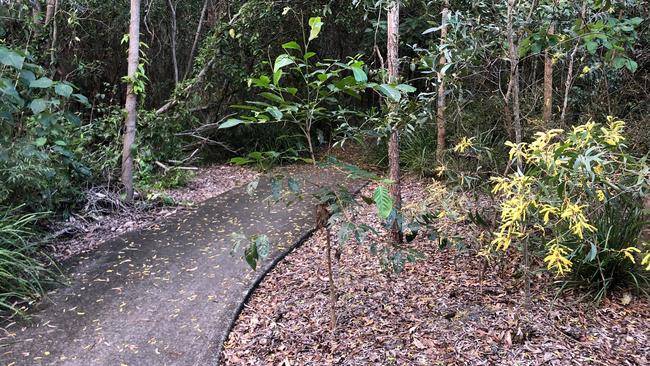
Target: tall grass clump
(23, 269)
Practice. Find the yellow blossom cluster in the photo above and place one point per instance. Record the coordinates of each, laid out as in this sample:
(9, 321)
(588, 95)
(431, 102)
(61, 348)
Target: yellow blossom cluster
(464, 144)
(553, 194)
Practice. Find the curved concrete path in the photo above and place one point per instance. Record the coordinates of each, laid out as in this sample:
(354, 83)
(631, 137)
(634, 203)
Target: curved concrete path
(163, 296)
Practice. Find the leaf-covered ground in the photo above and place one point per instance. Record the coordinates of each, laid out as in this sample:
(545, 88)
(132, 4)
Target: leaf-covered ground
(447, 309)
(105, 217)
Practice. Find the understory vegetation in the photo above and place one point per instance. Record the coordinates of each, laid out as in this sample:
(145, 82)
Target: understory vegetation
(540, 107)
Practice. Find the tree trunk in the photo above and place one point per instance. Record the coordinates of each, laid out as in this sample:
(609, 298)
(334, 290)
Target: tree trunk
(393, 143)
(440, 111)
(131, 100)
(547, 113)
(567, 85)
(197, 36)
(330, 279)
(54, 36)
(514, 73)
(172, 9)
(49, 11)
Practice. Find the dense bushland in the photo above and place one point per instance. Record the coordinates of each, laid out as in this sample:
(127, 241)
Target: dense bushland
(288, 78)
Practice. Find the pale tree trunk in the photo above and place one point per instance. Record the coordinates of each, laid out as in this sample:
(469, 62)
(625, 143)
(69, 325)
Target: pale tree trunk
(197, 36)
(53, 36)
(440, 110)
(131, 101)
(49, 11)
(547, 113)
(569, 77)
(513, 88)
(172, 9)
(567, 85)
(393, 143)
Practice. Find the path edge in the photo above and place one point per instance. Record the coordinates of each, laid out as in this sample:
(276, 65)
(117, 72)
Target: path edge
(258, 280)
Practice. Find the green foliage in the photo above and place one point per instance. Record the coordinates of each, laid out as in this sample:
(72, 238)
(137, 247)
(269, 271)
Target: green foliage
(38, 161)
(157, 140)
(265, 160)
(383, 201)
(23, 271)
(314, 97)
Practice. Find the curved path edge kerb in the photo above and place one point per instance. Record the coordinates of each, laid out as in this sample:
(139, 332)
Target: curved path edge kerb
(259, 277)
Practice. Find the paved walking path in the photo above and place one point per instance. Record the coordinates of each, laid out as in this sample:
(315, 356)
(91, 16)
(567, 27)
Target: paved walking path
(164, 296)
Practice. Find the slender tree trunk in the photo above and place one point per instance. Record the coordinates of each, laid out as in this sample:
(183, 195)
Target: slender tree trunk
(197, 36)
(440, 111)
(393, 142)
(131, 101)
(54, 36)
(567, 85)
(547, 113)
(514, 73)
(49, 11)
(172, 9)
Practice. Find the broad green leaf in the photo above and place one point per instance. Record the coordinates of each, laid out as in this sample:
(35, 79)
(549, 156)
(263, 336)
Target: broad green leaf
(63, 90)
(405, 88)
(272, 97)
(592, 46)
(293, 185)
(239, 160)
(38, 105)
(345, 231)
(27, 76)
(276, 188)
(592, 253)
(275, 112)
(359, 74)
(315, 26)
(390, 91)
(277, 76)
(81, 99)
(232, 122)
(41, 141)
(72, 118)
(293, 45)
(251, 255)
(631, 65)
(41, 83)
(384, 202)
(282, 61)
(263, 246)
(619, 62)
(11, 58)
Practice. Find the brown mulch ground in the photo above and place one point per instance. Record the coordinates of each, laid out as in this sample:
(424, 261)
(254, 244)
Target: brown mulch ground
(436, 312)
(87, 230)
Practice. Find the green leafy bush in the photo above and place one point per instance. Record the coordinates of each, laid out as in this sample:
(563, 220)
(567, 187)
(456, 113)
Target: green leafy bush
(38, 161)
(309, 93)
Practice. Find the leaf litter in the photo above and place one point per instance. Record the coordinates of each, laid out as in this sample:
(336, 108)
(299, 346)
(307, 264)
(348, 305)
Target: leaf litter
(447, 309)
